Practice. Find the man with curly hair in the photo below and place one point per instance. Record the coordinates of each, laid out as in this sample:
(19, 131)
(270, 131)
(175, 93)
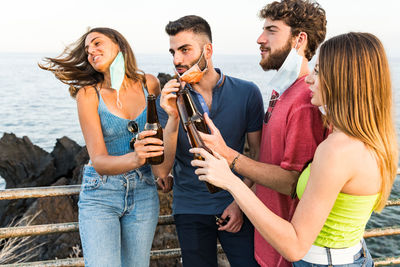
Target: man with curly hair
(292, 127)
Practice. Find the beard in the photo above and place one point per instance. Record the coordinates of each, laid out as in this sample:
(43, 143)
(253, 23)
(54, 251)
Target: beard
(275, 60)
(201, 61)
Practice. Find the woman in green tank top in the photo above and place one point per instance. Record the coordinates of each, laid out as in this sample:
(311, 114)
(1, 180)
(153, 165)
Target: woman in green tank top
(352, 171)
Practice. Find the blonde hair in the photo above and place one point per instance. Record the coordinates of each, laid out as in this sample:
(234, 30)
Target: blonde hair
(356, 89)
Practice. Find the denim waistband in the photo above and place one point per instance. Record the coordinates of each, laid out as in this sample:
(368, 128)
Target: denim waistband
(143, 170)
(335, 256)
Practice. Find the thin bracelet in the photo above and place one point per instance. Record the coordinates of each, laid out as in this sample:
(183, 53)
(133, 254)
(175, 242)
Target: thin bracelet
(234, 162)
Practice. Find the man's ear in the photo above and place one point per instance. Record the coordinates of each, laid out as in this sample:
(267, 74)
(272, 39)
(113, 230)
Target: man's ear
(208, 51)
(300, 43)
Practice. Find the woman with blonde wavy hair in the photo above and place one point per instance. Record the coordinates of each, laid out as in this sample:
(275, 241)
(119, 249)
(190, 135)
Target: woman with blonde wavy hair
(353, 170)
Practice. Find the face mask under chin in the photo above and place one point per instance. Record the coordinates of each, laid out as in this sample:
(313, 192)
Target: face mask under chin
(194, 74)
(288, 73)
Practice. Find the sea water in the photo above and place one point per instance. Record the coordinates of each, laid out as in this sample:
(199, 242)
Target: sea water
(35, 104)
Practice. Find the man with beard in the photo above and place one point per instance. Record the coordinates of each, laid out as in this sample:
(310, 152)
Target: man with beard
(292, 127)
(237, 109)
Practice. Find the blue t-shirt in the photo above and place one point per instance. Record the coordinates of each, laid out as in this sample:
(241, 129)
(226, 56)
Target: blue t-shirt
(237, 108)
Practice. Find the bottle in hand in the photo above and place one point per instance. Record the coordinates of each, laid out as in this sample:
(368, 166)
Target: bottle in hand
(196, 141)
(152, 123)
(181, 105)
(193, 112)
(188, 110)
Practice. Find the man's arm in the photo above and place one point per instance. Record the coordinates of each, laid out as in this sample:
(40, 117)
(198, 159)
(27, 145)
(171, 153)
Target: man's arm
(170, 114)
(170, 136)
(271, 176)
(233, 210)
(254, 141)
(268, 175)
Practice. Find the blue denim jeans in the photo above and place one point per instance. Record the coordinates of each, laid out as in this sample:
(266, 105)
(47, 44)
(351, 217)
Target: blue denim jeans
(364, 260)
(118, 215)
(198, 236)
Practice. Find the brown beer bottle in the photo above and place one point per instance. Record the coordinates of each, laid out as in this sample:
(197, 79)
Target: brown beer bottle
(195, 116)
(180, 103)
(196, 141)
(152, 123)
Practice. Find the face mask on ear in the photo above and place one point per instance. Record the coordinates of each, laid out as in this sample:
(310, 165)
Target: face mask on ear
(287, 73)
(117, 75)
(194, 74)
(322, 109)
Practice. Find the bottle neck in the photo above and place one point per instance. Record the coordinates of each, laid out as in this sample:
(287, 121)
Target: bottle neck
(152, 116)
(190, 105)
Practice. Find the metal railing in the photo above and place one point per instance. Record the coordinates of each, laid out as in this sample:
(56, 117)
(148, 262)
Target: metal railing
(52, 191)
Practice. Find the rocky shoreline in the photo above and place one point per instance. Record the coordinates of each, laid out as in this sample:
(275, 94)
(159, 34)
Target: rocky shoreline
(23, 164)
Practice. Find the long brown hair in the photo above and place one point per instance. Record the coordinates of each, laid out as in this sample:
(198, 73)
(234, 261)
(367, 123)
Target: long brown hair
(73, 68)
(356, 89)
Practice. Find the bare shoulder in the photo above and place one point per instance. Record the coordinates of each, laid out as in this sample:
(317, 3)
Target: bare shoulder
(341, 150)
(337, 144)
(153, 84)
(87, 93)
(87, 100)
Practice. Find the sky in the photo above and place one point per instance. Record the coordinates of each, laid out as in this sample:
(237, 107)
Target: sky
(47, 26)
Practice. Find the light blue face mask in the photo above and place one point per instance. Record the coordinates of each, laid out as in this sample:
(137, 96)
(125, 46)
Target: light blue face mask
(287, 73)
(117, 74)
(322, 109)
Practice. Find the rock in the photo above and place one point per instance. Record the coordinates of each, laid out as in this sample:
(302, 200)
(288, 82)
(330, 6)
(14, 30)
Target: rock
(163, 78)
(64, 153)
(165, 236)
(81, 158)
(55, 210)
(23, 164)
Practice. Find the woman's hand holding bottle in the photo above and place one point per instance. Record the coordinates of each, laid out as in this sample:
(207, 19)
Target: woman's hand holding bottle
(147, 146)
(213, 169)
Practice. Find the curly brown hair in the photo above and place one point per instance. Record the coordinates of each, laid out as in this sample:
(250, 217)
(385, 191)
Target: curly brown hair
(73, 68)
(302, 16)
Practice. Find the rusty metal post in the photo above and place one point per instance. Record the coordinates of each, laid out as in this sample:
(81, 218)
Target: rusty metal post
(72, 262)
(37, 192)
(394, 230)
(166, 220)
(393, 202)
(52, 191)
(387, 261)
(34, 230)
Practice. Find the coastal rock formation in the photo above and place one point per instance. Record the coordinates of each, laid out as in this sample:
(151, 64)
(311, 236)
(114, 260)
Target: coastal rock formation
(55, 210)
(163, 78)
(64, 154)
(23, 164)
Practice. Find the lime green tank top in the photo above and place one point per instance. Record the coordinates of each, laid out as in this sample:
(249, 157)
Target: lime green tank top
(346, 222)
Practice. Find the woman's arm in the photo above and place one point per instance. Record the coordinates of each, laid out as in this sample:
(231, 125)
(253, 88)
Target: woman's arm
(293, 239)
(269, 175)
(87, 102)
